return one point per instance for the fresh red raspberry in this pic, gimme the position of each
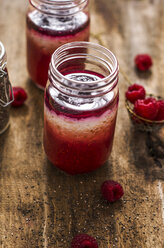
(160, 115)
(143, 62)
(147, 108)
(112, 191)
(135, 92)
(20, 96)
(84, 241)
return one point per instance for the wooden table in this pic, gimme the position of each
(43, 207)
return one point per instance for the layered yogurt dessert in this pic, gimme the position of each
(45, 33)
(78, 137)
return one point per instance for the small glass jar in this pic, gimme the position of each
(50, 24)
(5, 89)
(80, 109)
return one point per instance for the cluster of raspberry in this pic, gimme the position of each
(145, 106)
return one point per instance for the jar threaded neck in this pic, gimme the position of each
(2, 54)
(59, 7)
(90, 55)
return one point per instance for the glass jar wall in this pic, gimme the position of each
(81, 101)
(5, 90)
(51, 23)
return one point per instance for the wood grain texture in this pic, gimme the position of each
(42, 207)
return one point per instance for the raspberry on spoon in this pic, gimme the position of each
(160, 115)
(135, 92)
(84, 241)
(112, 191)
(147, 108)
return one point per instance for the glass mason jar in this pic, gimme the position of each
(80, 107)
(5, 89)
(50, 24)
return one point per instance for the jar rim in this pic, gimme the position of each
(105, 60)
(2, 52)
(82, 44)
(59, 7)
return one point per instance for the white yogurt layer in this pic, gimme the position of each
(90, 127)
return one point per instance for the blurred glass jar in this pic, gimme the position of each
(50, 24)
(5, 90)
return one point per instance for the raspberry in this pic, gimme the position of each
(147, 108)
(20, 96)
(143, 62)
(160, 115)
(135, 92)
(84, 241)
(112, 191)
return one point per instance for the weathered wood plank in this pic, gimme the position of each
(43, 207)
